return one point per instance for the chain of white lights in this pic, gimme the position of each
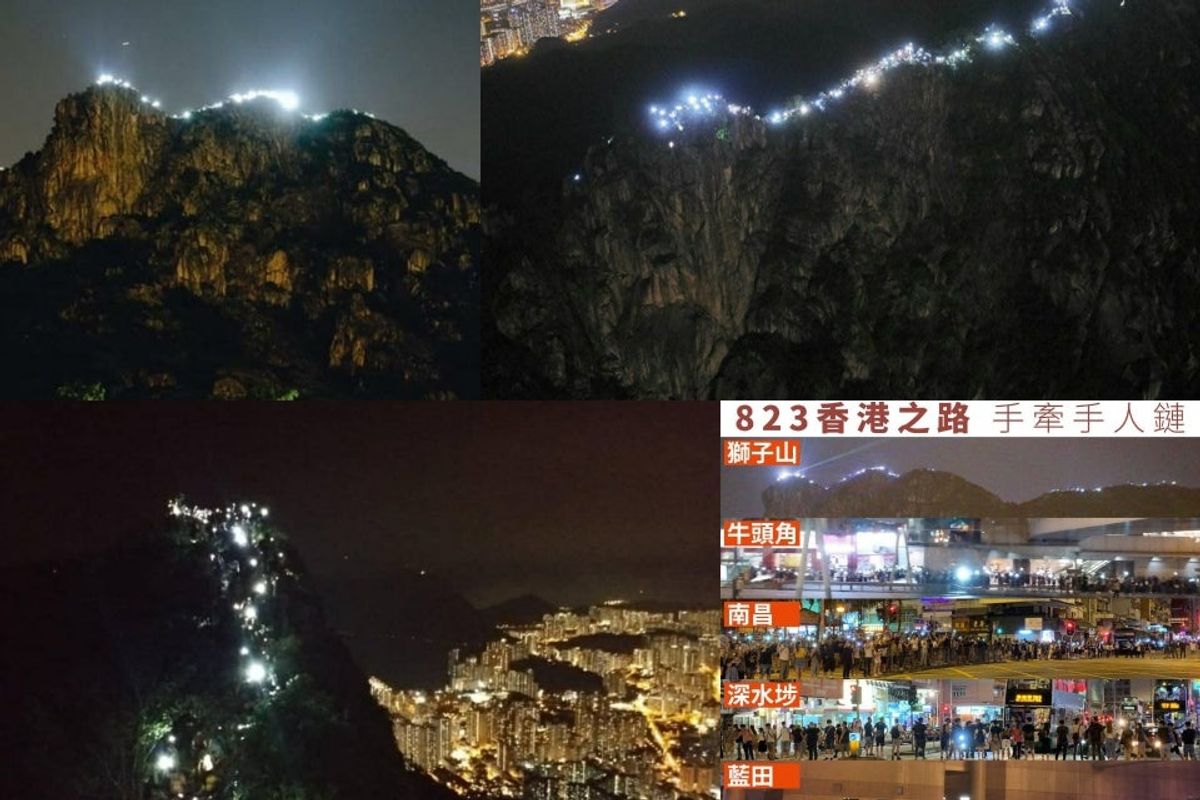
(246, 560)
(709, 106)
(798, 475)
(286, 99)
(794, 474)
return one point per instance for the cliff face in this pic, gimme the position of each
(238, 252)
(1022, 225)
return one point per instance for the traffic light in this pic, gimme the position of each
(856, 695)
(892, 609)
(1070, 626)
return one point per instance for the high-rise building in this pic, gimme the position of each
(534, 19)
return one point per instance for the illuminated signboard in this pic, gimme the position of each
(1169, 696)
(1028, 693)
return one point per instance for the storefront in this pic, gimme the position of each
(866, 552)
(977, 713)
(828, 700)
(969, 700)
(859, 548)
(835, 700)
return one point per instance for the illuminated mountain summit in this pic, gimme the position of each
(993, 210)
(239, 250)
(937, 493)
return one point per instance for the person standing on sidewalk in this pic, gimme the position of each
(920, 730)
(1062, 740)
(1095, 737)
(812, 740)
(1018, 741)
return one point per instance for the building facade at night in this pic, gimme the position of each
(512, 27)
(632, 716)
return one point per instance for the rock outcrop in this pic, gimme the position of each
(1023, 225)
(149, 255)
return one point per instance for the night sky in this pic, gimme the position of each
(410, 62)
(576, 502)
(1014, 469)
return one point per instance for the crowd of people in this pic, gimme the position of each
(977, 578)
(1065, 739)
(888, 652)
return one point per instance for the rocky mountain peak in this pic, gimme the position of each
(1015, 224)
(332, 253)
(97, 161)
(98, 110)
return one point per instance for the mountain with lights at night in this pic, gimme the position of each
(1006, 213)
(192, 664)
(243, 250)
(878, 492)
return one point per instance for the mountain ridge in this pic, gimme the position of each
(241, 252)
(1015, 227)
(937, 493)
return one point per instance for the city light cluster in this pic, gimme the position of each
(674, 117)
(494, 731)
(791, 475)
(1081, 489)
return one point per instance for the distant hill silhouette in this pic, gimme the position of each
(400, 625)
(933, 493)
(524, 609)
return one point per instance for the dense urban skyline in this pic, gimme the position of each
(629, 713)
(512, 27)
